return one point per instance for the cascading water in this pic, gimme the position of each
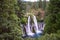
(36, 25)
(29, 32)
(37, 29)
(42, 26)
(23, 31)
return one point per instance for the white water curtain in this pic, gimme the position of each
(28, 29)
(36, 25)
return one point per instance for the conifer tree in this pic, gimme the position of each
(9, 28)
(53, 17)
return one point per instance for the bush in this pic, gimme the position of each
(53, 17)
(50, 37)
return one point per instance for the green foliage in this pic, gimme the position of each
(23, 20)
(53, 17)
(20, 9)
(50, 37)
(9, 22)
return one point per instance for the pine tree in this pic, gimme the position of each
(44, 4)
(53, 17)
(9, 28)
(22, 11)
(22, 8)
(40, 3)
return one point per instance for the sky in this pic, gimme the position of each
(34, 0)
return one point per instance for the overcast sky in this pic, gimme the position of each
(34, 0)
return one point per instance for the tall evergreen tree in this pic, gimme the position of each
(53, 17)
(44, 4)
(40, 3)
(22, 8)
(9, 28)
(22, 11)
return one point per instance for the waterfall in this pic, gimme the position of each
(42, 26)
(29, 32)
(36, 25)
(33, 30)
(29, 25)
(23, 30)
